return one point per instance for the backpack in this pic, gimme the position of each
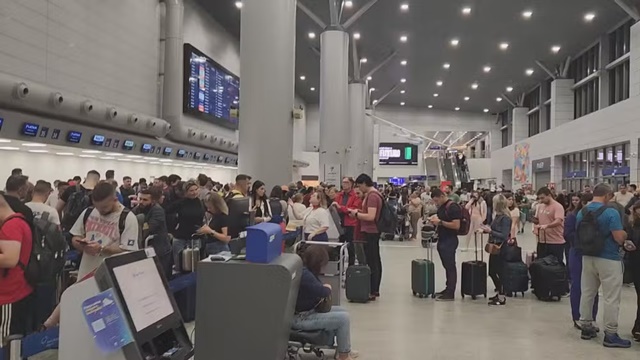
(121, 221)
(77, 203)
(465, 220)
(589, 239)
(386, 222)
(48, 250)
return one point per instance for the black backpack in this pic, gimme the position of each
(77, 203)
(387, 219)
(589, 239)
(48, 250)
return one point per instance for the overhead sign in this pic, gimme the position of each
(398, 154)
(333, 174)
(541, 165)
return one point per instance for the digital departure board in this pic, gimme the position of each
(212, 93)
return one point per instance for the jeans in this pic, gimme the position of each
(372, 253)
(348, 238)
(336, 321)
(360, 254)
(447, 247)
(575, 269)
(608, 273)
(556, 250)
(216, 247)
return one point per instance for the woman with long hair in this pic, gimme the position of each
(633, 231)
(574, 261)
(315, 219)
(260, 202)
(415, 213)
(477, 208)
(499, 233)
(515, 214)
(215, 229)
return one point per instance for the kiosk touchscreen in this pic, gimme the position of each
(154, 319)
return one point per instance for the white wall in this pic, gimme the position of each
(479, 168)
(106, 50)
(52, 167)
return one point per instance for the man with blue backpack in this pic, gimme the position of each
(599, 236)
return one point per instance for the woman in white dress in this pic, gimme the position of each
(477, 208)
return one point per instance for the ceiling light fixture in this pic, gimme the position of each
(356, 36)
(498, 99)
(529, 72)
(5, 141)
(107, 158)
(404, 38)
(369, 78)
(474, 86)
(439, 83)
(466, 98)
(64, 154)
(39, 151)
(375, 102)
(303, 78)
(436, 95)
(113, 154)
(527, 14)
(403, 62)
(588, 17)
(312, 35)
(313, 89)
(486, 110)
(430, 106)
(455, 42)
(509, 88)
(404, 7)
(402, 103)
(364, 60)
(9, 148)
(556, 49)
(373, 89)
(87, 156)
(34, 145)
(91, 151)
(466, 10)
(446, 66)
(487, 69)
(403, 80)
(457, 109)
(504, 46)
(348, 4)
(239, 4)
(403, 91)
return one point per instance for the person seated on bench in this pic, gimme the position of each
(311, 294)
(315, 218)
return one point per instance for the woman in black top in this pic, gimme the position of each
(217, 238)
(260, 202)
(499, 233)
(189, 218)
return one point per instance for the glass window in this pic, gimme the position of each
(587, 95)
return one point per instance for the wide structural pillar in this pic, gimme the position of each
(267, 70)
(519, 124)
(334, 104)
(370, 146)
(357, 152)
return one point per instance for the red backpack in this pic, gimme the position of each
(465, 221)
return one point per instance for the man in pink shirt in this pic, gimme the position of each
(549, 226)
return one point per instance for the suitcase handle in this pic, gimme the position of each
(475, 242)
(343, 252)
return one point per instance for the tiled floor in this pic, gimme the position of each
(400, 326)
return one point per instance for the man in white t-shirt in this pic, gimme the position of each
(623, 196)
(41, 192)
(105, 231)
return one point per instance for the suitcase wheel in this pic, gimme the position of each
(473, 297)
(421, 296)
(433, 296)
(415, 293)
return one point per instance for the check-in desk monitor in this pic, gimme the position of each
(151, 312)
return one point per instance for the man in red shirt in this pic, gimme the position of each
(15, 249)
(348, 200)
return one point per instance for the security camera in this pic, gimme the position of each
(224, 142)
(133, 119)
(203, 136)
(87, 106)
(57, 99)
(151, 123)
(21, 91)
(112, 113)
(191, 133)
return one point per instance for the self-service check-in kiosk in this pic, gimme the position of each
(126, 312)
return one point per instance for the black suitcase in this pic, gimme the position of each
(515, 278)
(423, 276)
(548, 278)
(474, 274)
(358, 283)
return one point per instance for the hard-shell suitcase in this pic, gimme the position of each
(423, 276)
(190, 256)
(548, 276)
(358, 283)
(474, 273)
(515, 278)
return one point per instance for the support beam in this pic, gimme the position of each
(359, 13)
(384, 96)
(481, 134)
(316, 19)
(405, 130)
(356, 61)
(546, 69)
(508, 100)
(382, 63)
(630, 7)
(565, 68)
(315, 50)
(335, 10)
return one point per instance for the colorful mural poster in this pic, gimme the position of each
(521, 166)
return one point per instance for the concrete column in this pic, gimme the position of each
(634, 161)
(562, 101)
(300, 135)
(267, 63)
(519, 124)
(370, 146)
(334, 100)
(357, 152)
(556, 171)
(494, 142)
(604, 74)
(634, 61)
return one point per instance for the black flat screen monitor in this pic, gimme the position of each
(181, 153)
(74, 137)
(128, 145)
(167, 151)
(29, 129)
(146, 148)
(98, 140)
(398, 154)
(238, 216)
(211, 92)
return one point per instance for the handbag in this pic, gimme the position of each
(492, 248)
(324, 305)
(512, 252)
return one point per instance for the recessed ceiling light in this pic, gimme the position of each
(527, 14)
(487, 69)
(9, 148)
(64, 154)
(403, 80)
(87, 156)
(166, 160)
(439, 83)
(239, 4)
(404, 7)
(474, 86)
(556, 49)
(404, 38)
(373, 89)
(303, 78)
(134, 156)
(529, 72)
(113, 154)
(466, 10)
(402, 103)
(375, 102)
(39, 151)
(446, 66)
(457, 109)
(312, 35)
(5, 141)
(589, 17)
(403, 91)
(107, 158)
(504, 45)
(139, 161)
(348, 4)
(466, 98)
(498, 99)
(91, 151)
(403, 62)
(486, 110)
(369, 78)
(34, 145)
(455, 42)
(356, 36)
(430, 106)
(364, 60)
(313, 89)
(436, 95)
(509, 88)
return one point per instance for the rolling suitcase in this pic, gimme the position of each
(358, 283)
(548, 277)
(474, 274)
(515, 278)
(189, 257)
(423, 276)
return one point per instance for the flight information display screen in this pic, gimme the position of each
(212, 93)
(398, 154)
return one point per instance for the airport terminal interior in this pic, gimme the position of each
(319, 179)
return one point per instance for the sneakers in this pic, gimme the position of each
(441, 292)
(495, 301)
(588, 332)
(445, 297)
(615, 341)
(576, 324)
